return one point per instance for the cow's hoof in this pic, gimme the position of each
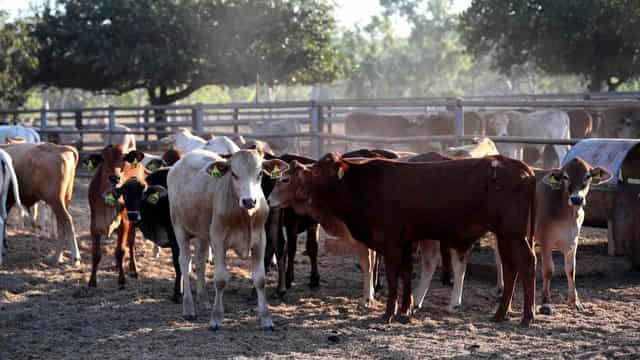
(314, 282)
(580, 308)
(214, 327)
(133, 275)
(526, 321)
(500, 318)
(457, 309)
(403, 319)
(386, 319)
(76, 262)
(546, 309)
(267, 325)
(93, 283)
(189, 317)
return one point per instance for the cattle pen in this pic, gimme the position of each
(48, 310)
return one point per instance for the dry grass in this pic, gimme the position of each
(48, 312)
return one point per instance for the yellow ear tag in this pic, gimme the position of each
(595, 179)
(554, 183)
(215, 172)
(340, 173)
(134, 163)
(110, 200)
(153, 198)
(275, 173)
(89, 165)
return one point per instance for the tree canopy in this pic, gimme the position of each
(172, 48)
(597, 39)
(17, 63)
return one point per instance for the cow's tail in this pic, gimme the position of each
(11, 178)
(532, 209)
(69, 164)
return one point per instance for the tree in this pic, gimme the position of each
(171, 48)
(597, 39)
(17, 63)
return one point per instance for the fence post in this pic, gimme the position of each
(459, 122)
(79, 126)
(43, 118)
(196, 120)
(112, 123)
(146, 126)
(236, 115)
(59, 118)
(315, 127)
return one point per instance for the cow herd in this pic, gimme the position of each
(387, 205)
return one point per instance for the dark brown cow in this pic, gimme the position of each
(580, 124)
(457, 200)
(376, 125)
(171, 156)
(106, 218)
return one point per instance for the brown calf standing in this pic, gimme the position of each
(456, 200)
(107, 214)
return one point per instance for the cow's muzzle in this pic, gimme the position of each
(577, 200)
(134, 216)
(248, 203)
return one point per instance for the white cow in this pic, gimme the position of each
(7, 178)
(542, 124)
(184, 141)
(279, 145)
(219, 202)
(123, 137)
(29, 134)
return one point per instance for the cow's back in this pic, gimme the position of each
(376, 125)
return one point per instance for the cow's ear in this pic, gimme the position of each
(217, 169)
(134, 157)
(553, 180)
(274, 168)
(154, 193)
(92, 161)
(600, 175)
(155, 164)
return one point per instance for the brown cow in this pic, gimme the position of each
(580, 124)
(107, 214)
(455, 200)
(443, 123)
(171, 156)
(46, 173)
(367, 124)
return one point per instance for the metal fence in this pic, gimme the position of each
(319, 124)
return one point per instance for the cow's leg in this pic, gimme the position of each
(123, 230)
(258, 276)
(188, 310)
(499, 277)
(131, 243)
(445, 259)
(202, 250)
(367, 273)
(375, 273)
(221, 277)
(156, 251)
(66, 231)
(527, 271)
(429, 250)
(547, 274)
(312, 252)
(405, 274)
(96, 255)
(175, 257)
(459, 266)
(392, 268)
(510, 274)
(2, 229)
(292, 249)
(570, 271)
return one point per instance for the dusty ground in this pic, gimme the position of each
(48, 312)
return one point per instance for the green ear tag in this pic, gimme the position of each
(110, 200)
(152, 166)
(134, 163)
(153, 198)
(89, 165)
(215, 172)
(554, 183)
(595, 179)
(275, 173)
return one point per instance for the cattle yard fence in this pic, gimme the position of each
(317, 126)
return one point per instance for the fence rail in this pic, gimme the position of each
(317, 123)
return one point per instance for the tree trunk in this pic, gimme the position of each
(597, 81)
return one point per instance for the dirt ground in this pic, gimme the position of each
(47, 311)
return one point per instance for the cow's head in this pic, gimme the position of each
(245, 169)
(291, 189)
(155, 164)
(574, 179)
(137, 195)
(171, 156)
(497, 124)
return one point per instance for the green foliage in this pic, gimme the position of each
(17, 63)
(173, 48)
(598, 39)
